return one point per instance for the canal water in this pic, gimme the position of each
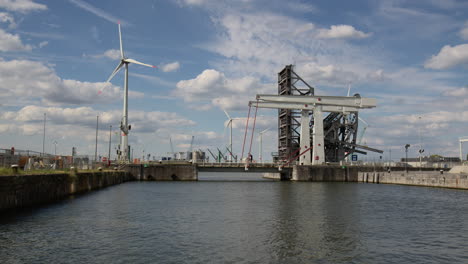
(243, 220)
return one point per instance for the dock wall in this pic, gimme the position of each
(164, 172)
(424, 178)
(325, 173)
(28, 190)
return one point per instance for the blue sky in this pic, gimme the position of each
(213, 55)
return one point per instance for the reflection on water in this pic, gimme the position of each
(236, 221)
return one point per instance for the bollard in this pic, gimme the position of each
(441, 171)
(14, 168)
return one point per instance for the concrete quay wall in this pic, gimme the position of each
(325, 173)
(164, 172)
(28, 190)
(424, 178)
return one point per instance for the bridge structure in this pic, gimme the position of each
(241, 167)
(339, 125)
(312, 145)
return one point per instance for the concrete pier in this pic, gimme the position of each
(28, 190)
(163, 172)
(417, 178)
(325, 173)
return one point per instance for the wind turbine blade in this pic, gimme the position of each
(116, 70)
(229, 117)
(140, 63)
(121, 46)
(363, 121)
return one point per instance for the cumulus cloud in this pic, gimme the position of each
(12, 42)
(22, 6)
(250, 47)
(214, 87)
(342, 31)
(24, 78)
(142, 122)
(448, 57)
(170, 67)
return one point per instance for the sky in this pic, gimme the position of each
(411, 55)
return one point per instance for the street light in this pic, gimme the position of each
(406, 159)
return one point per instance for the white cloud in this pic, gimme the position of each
(329, 74)
(461, 92)
(464, 32)
(22, 6)
(43, 44)
(448, 57)
(7, 18)
(142, 122)
(250, 47)
(113, 54)
(30, 79)
(342, 31)
(11, 42)
(170, 67)
(195, 2)
(213, 86)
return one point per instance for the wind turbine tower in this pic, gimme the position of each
(230, 133)
(124, 152)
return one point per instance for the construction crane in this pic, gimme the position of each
(213, 155)
(221, 154)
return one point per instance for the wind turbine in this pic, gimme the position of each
(260, 145)
(230, 134)
(124, 127)
(363, 130)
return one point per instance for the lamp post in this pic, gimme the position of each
(406, 159)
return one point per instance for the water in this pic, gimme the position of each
(243, 222)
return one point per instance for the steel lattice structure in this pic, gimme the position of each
(289, 120)
(340, 130)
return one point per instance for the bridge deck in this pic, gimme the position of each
(240, 167)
